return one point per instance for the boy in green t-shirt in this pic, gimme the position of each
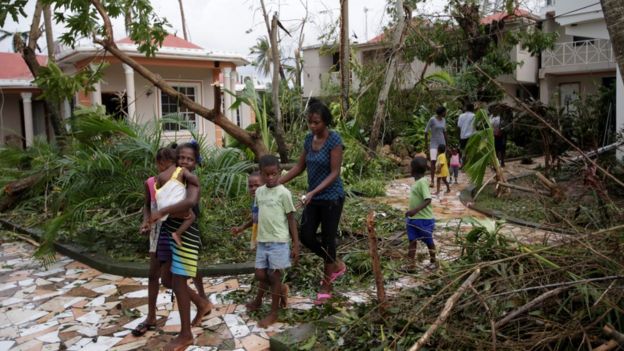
(276, 228)
(419, 217)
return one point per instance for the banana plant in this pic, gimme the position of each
(481, 153)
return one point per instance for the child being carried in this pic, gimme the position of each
(171, 189)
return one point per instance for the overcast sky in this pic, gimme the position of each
(234, 25)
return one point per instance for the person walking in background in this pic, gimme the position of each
(322, 157)
(500, 139)
(442, 171)
(465, 122)
(455, 164)
(437, 128)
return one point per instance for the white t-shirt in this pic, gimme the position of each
(465, 122)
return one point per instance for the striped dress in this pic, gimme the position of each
(183, 258)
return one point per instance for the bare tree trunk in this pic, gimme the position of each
(251, 140)
(299, 50)
(30, 57)
(127, 19)
(389, 77)
(184, 31)
(614, 16)
(345, 69)
(268, 26)
(49, 32)
(282, 149)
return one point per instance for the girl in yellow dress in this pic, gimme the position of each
(442, 170)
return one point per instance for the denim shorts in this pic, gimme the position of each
(272, 255)
(420, 229)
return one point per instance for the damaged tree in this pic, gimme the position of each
(397, 43)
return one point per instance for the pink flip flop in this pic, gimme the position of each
(321, 298)
(337, 274)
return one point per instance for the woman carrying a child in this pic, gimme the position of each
(182, 253)
(322, 158)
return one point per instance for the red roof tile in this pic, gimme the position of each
(12, 66)
(170, 41)
(501, 16)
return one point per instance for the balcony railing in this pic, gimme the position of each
(578, 53)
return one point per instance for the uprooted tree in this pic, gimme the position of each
(93, 19)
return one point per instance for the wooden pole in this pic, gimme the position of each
(345, 69)
(372, 246)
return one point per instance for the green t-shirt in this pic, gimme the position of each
(419, 193)
(273, 206)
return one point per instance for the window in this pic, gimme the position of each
(170, 109)
(581, 41)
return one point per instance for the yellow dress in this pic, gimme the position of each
(443, 166)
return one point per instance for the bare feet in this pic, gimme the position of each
(179, 344)
(202, 311)
(177, 238)
(253, 305)
(268, 320)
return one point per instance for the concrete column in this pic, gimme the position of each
(227, 98)
(619, 111)
(96, 95)
(545, 86)
(28, 118)
(130, 94)
(233, 81)
(66, 109)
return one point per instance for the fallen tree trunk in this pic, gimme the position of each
(19, 186)
(609, 345)
(529, 305)
(446, 311)
(523, 188)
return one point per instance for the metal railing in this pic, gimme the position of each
(578, 53)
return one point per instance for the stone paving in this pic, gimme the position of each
(70, 306)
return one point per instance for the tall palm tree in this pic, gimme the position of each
(263, 59)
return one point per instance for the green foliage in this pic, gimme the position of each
(535, 40)
(81, 20)
(95, 188)
(14, 8)
(58, 86)
(484, 241)
(480, 152)
(368, 187)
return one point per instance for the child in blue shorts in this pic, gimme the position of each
(419, 217)
(276, 229)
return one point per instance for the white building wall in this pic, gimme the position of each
(148, 97)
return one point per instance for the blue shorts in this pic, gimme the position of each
(420, 229)
(272, 255)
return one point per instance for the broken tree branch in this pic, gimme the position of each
(609, 345)
(614, 334)
(529, 305)
(446, 311)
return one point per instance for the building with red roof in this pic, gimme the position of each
(188, 67)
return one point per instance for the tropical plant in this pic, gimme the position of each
(480, 153)
(99, 178)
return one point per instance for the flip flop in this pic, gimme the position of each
(321, 298)
(143, 328)
(337, 274)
